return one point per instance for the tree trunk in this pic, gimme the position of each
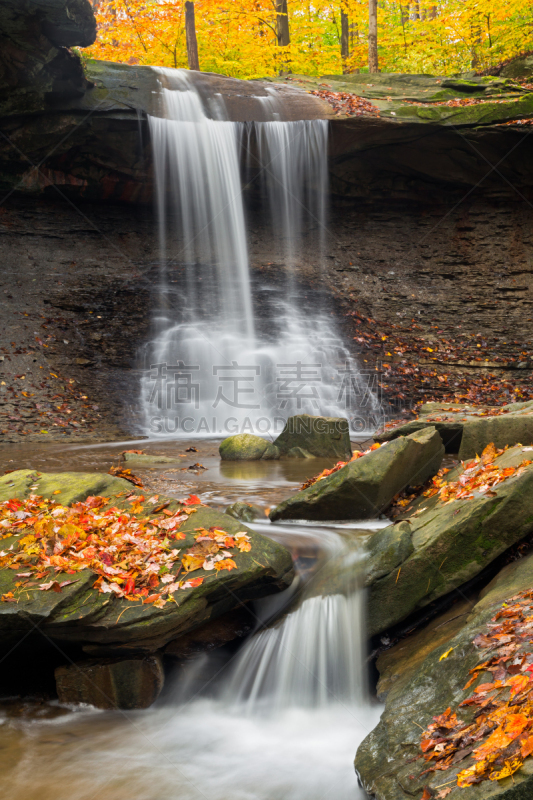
(373, 36)
(190, 35)
(282, 23)
(345, 40)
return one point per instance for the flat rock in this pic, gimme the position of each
(111, 683)
(107, 624)
(305, 435)
(363, 488)
(385, 759)
(145, 460)
(452, 542)
(468, 430)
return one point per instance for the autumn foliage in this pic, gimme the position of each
(132, 553)
(238, 37)
(499, 736)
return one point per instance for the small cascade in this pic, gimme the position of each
(209, 370)
(314, 656)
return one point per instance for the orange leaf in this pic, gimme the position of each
(226, 563)
(192, 562)
(152, 598)
(526, 747)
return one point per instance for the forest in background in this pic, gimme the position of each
(260, 38)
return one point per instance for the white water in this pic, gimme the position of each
(210, 372)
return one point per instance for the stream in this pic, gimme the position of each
(280, 716)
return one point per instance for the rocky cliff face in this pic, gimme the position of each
(36, 66)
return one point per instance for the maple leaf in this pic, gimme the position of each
(192, 500)
(226, 563)
(192, 562)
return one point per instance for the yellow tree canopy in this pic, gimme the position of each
(238, 37)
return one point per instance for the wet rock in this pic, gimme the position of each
(298, 452)
(324, 437)
(242, 447)
(400, 663)
(271, 453)
(80, 614)
(452, 542)
(363, 488)
(245, 511)
(213, 634)
(427, 688)
(112, 683)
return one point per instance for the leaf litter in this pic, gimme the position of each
(131, 552)
(500, 736)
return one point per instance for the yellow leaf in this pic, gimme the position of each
(446, 654)
(191, 562)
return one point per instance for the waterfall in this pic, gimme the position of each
(314, 656)
(209, 370)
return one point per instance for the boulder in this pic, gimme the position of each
(271, 453)
(452, 542)
(324, 437)
(449, 426)
(509, 429)
(386, 550)
(242, 447)
(434, 667)
(107, 625)
(35, 65)
(245, 511)
(468, 430)
(365, 487)
(111, 683)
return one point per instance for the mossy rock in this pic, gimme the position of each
(363, 488)
(452, 543)
(63, 487)
(469, 430)
(108, 624)
(246, 512)
(242, 447)
(386, 760)
(305, 435)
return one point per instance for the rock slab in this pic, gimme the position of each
(385, 759)
(363, 488)
(111, 683)
(451, 543)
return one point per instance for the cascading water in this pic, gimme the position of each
(309, 658)
(210, 372)
(282, 719)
